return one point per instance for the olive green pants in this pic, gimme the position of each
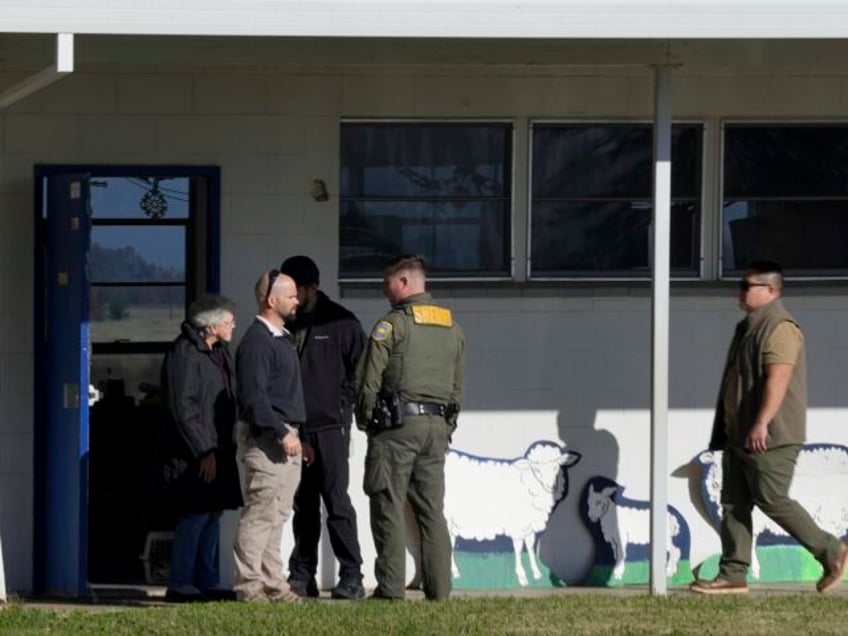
(409, 463)
(763, 480)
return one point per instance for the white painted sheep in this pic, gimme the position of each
(625, 523)
(487, 497)
(819, 484)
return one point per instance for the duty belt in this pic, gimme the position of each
(423, 408)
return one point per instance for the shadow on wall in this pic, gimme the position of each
(566, 545)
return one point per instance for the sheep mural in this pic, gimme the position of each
(621, 529)
(489, 500)
(819, 484)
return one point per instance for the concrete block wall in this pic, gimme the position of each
(564, 361)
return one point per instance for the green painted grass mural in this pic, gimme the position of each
(496, 571)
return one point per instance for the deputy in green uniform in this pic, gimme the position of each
(409, 388)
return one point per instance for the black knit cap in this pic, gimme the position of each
(302, 269)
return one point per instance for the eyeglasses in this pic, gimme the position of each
(272, 276)
(745, 285)
(229, 323)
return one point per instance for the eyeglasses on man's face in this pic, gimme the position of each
(745, 285)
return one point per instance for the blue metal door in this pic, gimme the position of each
(62, 443)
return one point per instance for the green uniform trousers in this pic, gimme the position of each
(763, 480)
(409, 463)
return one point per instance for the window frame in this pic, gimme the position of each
(733, 274)
(211, 233)
(699, 270)
(509, 242)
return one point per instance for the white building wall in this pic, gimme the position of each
(554, 361)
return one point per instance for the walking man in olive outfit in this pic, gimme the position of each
(409, 389)
(271, 410)
(760, 425)
(329, 341)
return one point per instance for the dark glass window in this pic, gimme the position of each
(592, 200)
(145, 246)
(786, 197)
(440, 190)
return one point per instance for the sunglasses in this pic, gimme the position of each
(744, 285)
(272, 276)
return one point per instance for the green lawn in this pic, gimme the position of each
(572, 613)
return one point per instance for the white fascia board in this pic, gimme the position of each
(433, 19)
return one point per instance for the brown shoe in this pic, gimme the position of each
(833, 571)
(284, 596)
(719, 586)
(252, 598)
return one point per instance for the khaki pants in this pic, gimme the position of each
(269, 481)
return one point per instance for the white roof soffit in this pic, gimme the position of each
(433, 18)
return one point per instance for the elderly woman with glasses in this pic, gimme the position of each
(197, 447)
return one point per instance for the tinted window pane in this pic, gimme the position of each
(606, 161)
(456, 237)
(785, 161)
(608, 238)
(137, 254)
(441, 190)
(806, 237)
(433, 160)
(136, 314)
(127, 197)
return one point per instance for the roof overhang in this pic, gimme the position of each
(551, 19)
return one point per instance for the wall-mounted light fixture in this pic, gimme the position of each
(319, 190)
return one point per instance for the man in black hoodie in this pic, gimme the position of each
(329, 341)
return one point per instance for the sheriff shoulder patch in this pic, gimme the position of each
(382, 330)
(432, 315)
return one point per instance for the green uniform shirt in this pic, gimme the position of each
(416, 349)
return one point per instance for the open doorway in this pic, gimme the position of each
(147, 246)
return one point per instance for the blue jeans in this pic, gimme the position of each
(194, 558)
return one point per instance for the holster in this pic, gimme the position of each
(388, 411)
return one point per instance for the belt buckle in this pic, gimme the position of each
(421, 409)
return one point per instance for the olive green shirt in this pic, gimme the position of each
(417, 350)
(769, 335)
(783, 346)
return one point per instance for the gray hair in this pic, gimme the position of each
(208, 310)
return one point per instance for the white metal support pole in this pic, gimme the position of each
(61, 68)
(659, 327)
(2, 577)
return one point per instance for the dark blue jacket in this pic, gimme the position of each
(269, 388)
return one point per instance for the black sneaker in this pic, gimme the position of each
(174, 596)
(219, 594)
(377, 595)
(349, 589)
(305, 588)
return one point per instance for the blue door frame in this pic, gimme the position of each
(61, 386)
(62, 357)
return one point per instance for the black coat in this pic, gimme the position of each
(330, 341)
(198, 399)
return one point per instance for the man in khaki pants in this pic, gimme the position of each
(271, 410)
